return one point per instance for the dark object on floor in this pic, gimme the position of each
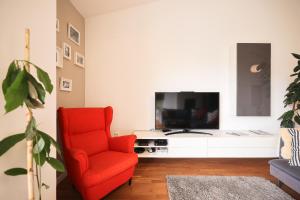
(129, 182)
(223, 187)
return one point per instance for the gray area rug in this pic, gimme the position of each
(223, 188)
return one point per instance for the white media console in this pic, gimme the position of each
(221, 144)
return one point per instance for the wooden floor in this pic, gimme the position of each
(149, 181)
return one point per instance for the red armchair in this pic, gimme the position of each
(96, 162)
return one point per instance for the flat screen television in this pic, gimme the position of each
(186, 110)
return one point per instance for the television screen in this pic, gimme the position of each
(186, 110)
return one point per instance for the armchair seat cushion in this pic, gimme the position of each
(283, 165)
(107, 164)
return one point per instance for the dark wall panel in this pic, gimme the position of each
(253, 79)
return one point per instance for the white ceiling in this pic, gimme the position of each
(89, 8)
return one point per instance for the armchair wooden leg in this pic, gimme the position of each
(74, 188)
(279, 183)
(129, 182)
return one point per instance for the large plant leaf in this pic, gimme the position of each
(40, 158)
(47, 143)
(32, 91)
(297, 119)
(288, 100)
(16, 171)
(45, 79)
(47, 147)
(49, 138)
(287, 115)
(33, 103)
(287, 124)
(296, 95)
(39, 146)
(297, 79)
(56, 164)
(31, 129)
(17, 92)
(11, 75)
(296, 55)
(10, 141)
(38, 87)
(291, 86)
(297, 68)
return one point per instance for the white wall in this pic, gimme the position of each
(40, 17)
(177, 45)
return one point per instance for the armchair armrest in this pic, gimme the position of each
(80, 158)
(122, 143)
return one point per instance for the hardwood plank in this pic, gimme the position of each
(149, 181)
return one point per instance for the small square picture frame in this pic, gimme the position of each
(65, 84)
(79, 59)
(59, 57)
(67, 51)
(73, 34)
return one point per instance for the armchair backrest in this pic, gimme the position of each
(87, 129)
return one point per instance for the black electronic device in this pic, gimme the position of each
(142, 142)
(139, 150)
(185, 111)
(161, 142)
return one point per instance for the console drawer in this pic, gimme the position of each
(241, 141)
(229, 152)
(187, 142)
(187, 152)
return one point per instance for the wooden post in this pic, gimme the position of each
(30, 175)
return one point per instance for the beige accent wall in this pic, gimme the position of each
(15, 16)
(67, 13)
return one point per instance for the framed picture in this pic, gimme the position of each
(79, 60)
(253, 79)
(73, 34)
(65, 84)
(59, 57)
(57, 25)
(67, 51)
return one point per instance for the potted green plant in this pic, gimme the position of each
(22, 87)
(291, 118)
(292, 99)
